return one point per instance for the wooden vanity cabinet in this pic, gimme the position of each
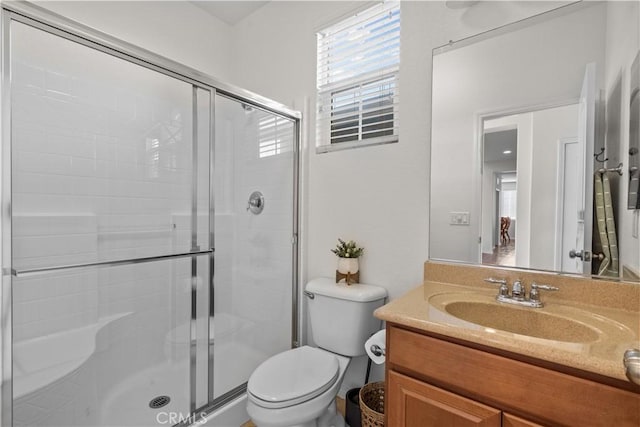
(414, 403)
(509, 420)
(435, 382)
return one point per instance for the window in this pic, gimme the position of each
(358, 64)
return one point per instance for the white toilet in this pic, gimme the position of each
(297, 388)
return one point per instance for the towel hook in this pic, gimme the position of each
(601, 153)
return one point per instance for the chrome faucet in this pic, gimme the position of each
(519, 293)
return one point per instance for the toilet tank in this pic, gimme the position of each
(341, 316)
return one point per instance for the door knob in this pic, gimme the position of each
(585, 256)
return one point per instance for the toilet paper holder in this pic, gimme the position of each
(375, 347)
(377, 350)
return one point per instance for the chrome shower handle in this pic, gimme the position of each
(255, 203)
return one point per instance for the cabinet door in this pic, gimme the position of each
(509, 420)
(413, 403)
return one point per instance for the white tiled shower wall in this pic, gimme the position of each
(101, 167)
(101, 170)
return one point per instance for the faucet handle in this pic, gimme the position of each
(535, 285)
(498, 281)
(504, 290)
(534, 295)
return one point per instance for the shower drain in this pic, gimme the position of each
(159, 402)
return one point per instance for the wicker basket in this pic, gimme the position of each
(372, 404)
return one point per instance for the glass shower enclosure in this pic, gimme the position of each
(149, 223)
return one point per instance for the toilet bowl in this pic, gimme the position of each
(298, 387)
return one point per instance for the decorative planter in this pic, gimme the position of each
(348, 265)
(348, 270)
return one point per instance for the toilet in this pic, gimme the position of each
(297, 388)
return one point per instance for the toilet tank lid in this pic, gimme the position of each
(358, 292)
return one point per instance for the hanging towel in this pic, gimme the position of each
(607, 242)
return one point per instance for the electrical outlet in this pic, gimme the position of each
(459, 218)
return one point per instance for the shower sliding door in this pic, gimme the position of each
(110, 236)
(255, 154)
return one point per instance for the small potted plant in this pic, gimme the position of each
(348, 254)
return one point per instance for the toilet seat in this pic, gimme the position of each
(293, 377)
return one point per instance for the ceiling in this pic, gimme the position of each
(230, 12)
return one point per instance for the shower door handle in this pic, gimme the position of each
(46, 270)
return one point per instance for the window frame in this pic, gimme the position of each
(388, 76)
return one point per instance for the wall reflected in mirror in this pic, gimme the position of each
(518, 114)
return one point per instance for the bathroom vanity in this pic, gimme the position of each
(432, 380)
(444, 370)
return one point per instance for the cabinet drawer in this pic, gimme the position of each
(413, 403)
(548, 396)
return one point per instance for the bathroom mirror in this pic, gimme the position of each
(527, 120)
(634, 136)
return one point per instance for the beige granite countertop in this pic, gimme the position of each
(616, 328)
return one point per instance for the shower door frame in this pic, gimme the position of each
(58, 25)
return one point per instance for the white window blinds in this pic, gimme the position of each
(275, 135)
(358, 63)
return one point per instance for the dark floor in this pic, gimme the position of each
(502, 255)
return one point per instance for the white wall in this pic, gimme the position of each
(177, 30)
(622, 48)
